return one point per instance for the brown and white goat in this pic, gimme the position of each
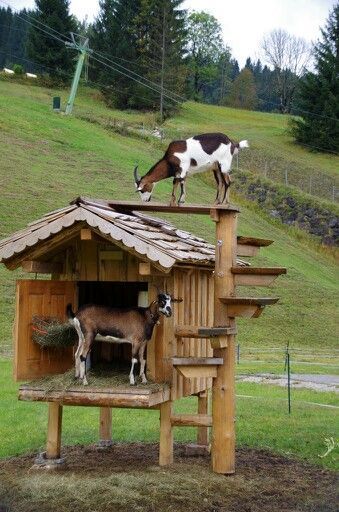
(209, 151)
(133, 325)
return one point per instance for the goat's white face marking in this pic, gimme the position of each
(164, 302)
(145, 196)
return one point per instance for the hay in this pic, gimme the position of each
(50, 332)
(105, 376)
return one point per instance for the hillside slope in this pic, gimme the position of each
(47, 159)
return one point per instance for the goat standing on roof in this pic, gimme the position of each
(209, 151)
(133, 325)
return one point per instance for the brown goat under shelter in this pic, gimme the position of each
(113, 253)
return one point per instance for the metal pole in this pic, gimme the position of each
(84, 50)
(288, 382)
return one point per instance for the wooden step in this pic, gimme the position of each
(194, 331)
(191, 420)
(249, 246)
(195, 367)
(248, 307)
(256, 276)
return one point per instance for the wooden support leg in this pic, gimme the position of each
(202, 437)
(54, 430)
(223, 409)
(105, 426)
(166, 434)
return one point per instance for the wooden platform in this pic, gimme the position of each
(128, 206)
(142, 397)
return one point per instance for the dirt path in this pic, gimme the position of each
(126, 478)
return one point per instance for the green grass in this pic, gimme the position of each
(47, 159)
(262, 422)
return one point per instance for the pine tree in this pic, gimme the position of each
(45, 50)
(243, 91)
(145, 37)
(319, 93)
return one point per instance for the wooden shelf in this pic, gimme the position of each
(192, 331)
(256, 276)
(195, 367)
(248, 307)
(249, 246)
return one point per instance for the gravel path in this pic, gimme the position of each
(309, 381)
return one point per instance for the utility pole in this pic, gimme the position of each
(83, 50)
(162, 69)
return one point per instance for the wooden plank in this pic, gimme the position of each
(247, 250)
(42, 267)
(54, 426)
(144, 269)
(105, 424)
(202, 209)
(191, 420)
(257, 242)
(86, 234)
(276, 271)
(249, 301)
(198, 371)
(202, 434)
(42, 299)
(95, 399)
(193, 361)
(166, 435)
(194, 331)
(223, 387)
(254, 280)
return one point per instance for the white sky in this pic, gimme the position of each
(244, 22)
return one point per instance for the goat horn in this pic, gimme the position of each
(136, 175)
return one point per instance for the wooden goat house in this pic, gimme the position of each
(111, 253)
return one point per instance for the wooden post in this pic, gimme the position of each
(105, 426)
(54, 430)
(202, 436)
(166, 434)
(223, 396)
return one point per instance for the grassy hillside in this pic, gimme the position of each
(47, 159)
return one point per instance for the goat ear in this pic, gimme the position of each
(174, 299)
(153, 307)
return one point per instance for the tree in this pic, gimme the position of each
(288, 55)
(205, 50)
(44, 49)
(319, 93)
(146, 37)
(243, 91)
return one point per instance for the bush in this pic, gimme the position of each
(18, 69)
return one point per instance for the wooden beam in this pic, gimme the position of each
(105, 424)
(197, 372)
(202, 434)
(54, 430)
(191, 420)
(42, 267)
(86, 234)
(166, 435)
(194, 361)
(223, 392)
(194, 331)
(144, 269)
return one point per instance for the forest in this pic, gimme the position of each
(154, 55)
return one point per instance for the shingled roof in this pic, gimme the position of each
(154, 239)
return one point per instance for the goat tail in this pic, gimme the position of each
(69, 312)
(243, 144)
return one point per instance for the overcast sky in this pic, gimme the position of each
(244, 22)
